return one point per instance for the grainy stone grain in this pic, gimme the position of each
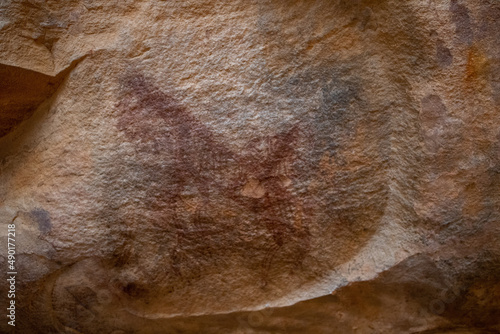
(252, 166)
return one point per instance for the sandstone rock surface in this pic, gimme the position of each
(261, 166)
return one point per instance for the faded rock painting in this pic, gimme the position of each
(206, 209)
(192, 162)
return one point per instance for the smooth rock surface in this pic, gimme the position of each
(251, 166)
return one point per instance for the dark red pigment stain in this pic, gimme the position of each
(461, 18)
(42, 218)
(161, 127)
(443, 54)
(182, 159)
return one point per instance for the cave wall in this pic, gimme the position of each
(261, 166)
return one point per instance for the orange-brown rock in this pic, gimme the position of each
(251, 166)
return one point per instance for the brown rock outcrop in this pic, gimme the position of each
(251, 166)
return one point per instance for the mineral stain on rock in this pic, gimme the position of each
(461, 18)
(42, 218)
(443, 54)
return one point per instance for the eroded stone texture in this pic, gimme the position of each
(22, 91)
(251, 166)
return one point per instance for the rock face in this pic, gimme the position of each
(251, 166)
